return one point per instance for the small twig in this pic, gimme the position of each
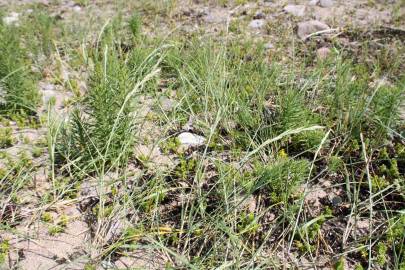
(321, 32)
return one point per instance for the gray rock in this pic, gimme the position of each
(190, 139)
(326, 3)
(310, 27)
(295, 10)
(257, 23)
(313, 2)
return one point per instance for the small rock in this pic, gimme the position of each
(296, 10)
(326, 3)
(310, 27)
(11, 19)
(336, 201)
(257, 23)
(259, 15)
(190, 139)
(313, 2)
(77, 8)
(268, 46)
(323, 53)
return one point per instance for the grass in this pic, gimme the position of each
(277, 132)
(18, 91)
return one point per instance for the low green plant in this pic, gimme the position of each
(381, 253)
(335, 164)
(55, 230)
(6, 137)
(4, 249)
(282, 178)
(47, 217)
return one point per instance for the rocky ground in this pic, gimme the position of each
(280, 25)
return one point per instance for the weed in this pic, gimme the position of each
(282, 178)
(55, 229)
(47, 217)
(335, 164)
(17, 88)
(381, 253)
(4, 249)
(135, 25)
(6, 137)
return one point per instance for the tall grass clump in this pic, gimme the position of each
(18, 92)
(101, 129)
(135, 25)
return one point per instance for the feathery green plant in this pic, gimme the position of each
(18, 92)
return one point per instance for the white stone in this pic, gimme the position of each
(190, 139)
(77, 9)
(257, 23)
(296, 10)
(268, 46)
(326, 3)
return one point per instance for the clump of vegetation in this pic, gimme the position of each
(101, 131)
(135, 25)
(282, 178)
(6, 137)
(18, 92)
(4, 249)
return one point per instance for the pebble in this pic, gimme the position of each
(77, 8)
(257, 23)
(309, 27)
(190, 139)
(326, 3)
(296, 10)
(336, 201)
(268, 46)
